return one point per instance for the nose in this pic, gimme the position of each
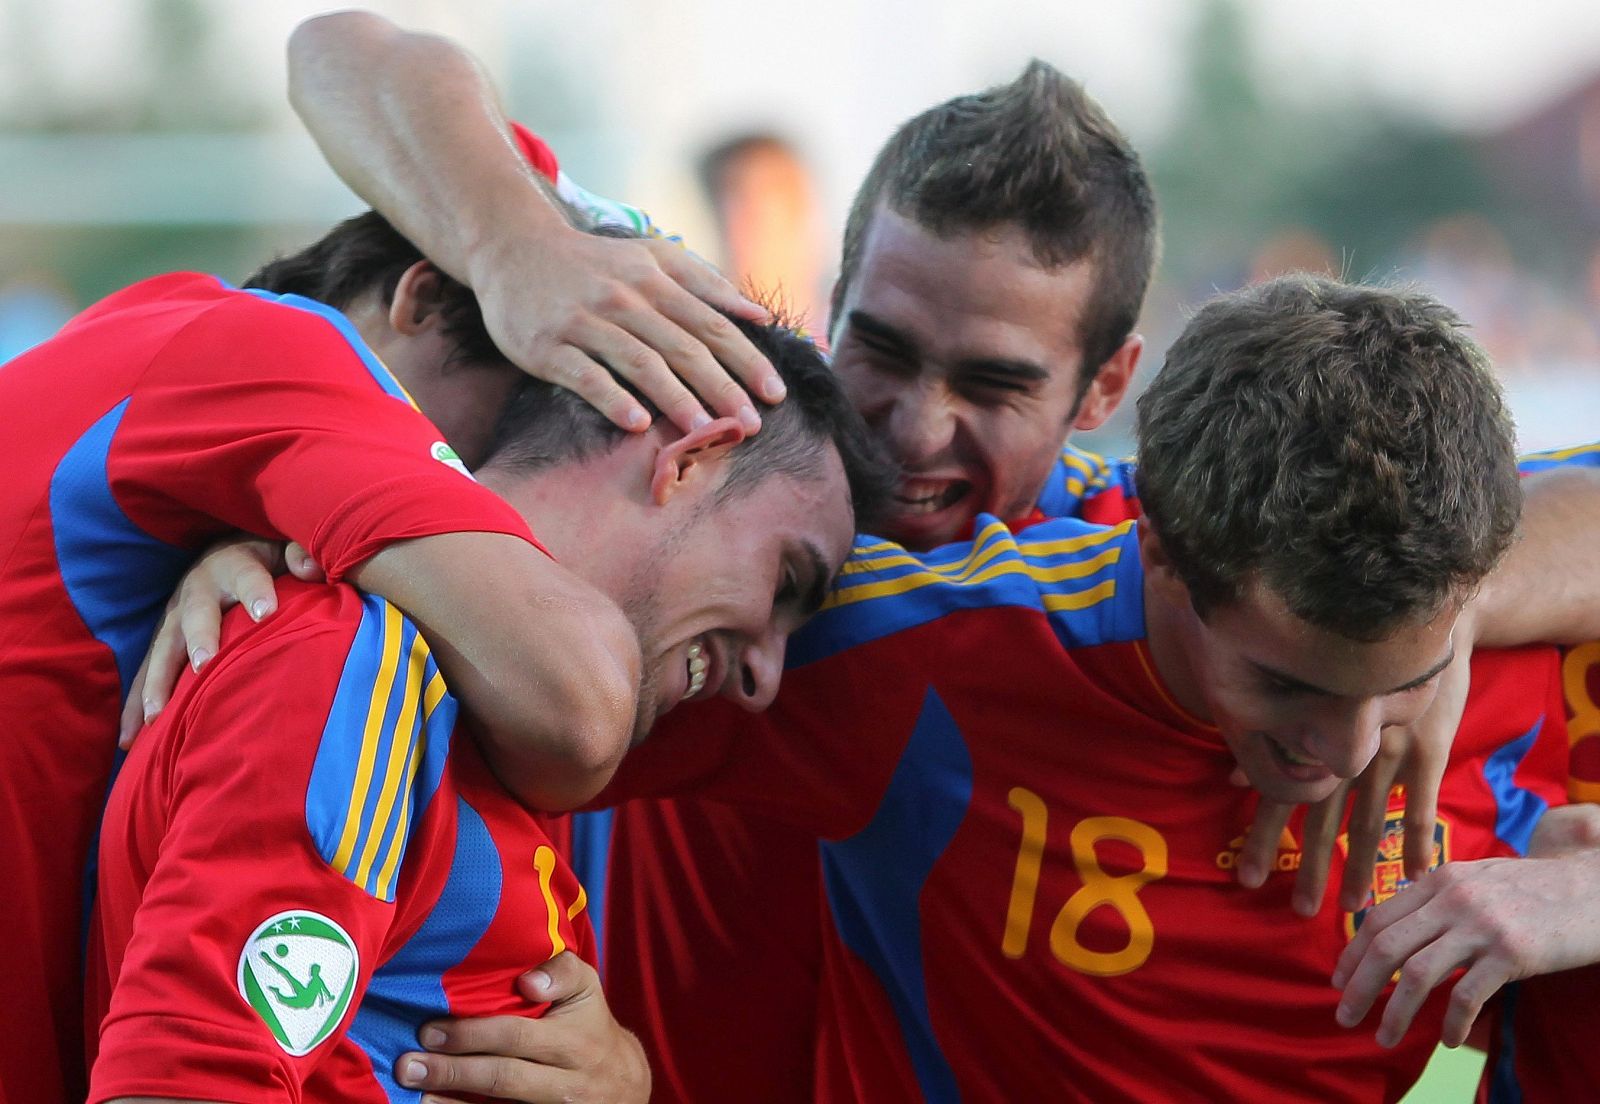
(921, 424)
(1347, 741)
(760, 670)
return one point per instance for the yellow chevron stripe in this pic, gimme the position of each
(433, 695)
(379, 703)
(397, 846)
(888, 588)
(1075, 461)
(1083, 599)
(982, 546)
(579, 905)
(969, 567)
(544, 861)
(401, 744)
(1562, 454)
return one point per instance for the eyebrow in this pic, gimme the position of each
(901, 344)
(1300, 684)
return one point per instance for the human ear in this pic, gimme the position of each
(1110, 385)
(417, 299)
(1158, 567)
(693, 457)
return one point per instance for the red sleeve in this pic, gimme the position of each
(237, 897)
(275, 419)
(537, 152)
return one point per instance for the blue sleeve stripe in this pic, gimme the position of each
(1517, 811)
(1582, 456)
(1087, 578)
(347, 330)
(382, 751)
(117, 576)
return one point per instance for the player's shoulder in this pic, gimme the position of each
(1580, 456)
(382, 752)
(1079, 478)
(382, 723)
(1085, 579)
(318, 337)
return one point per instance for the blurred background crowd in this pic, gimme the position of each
(1452, 144)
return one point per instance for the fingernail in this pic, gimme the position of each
(1305, 906)
(699, 420)
(150, 710)
(259, 608)
(539, 980)
(757, 307)
(749, 419)
(774, 390)
(431, 1037)
(412, 1073)
(199, 657)
(1251, 875)
(638, 419)
(1343, 1017)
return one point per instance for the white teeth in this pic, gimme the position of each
(1299, 760)
(698, 665)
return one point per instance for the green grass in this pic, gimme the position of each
(1451, 1077)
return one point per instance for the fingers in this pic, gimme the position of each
(1467, 999)
(1320, 830)
(679, 371)
(132, 719)
(1368, 815)
(163, 663)
(1260, 848)
(703, 281)
(704, 285)
(1371, 958)
(1422, 783)
(301, 565)
(200, 622)
(563, 980)
(579, 373)
(488, 1075)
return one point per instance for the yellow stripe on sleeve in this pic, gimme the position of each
(401, 745)
(377, 706)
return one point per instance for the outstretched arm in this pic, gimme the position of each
(411, 123)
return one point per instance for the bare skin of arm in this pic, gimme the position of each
(548, 666)
(411, 123)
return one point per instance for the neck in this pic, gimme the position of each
(464, 401)
(1170, 634)
(579, 512)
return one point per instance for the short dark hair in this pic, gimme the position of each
(544, 425)
(1348, 446)
(1036, 153)
(366, 254)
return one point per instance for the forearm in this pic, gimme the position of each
(411, 123)
(546, 666)
(1548, 587)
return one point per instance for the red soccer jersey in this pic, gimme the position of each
(304, 860)
(1542, 1044)
(159, 419)
(711, 918)
(1030, 848)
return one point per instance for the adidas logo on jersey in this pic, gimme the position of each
(1288, 853)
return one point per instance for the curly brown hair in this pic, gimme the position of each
(1346, 445)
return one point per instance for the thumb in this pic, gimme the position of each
(565, 979)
